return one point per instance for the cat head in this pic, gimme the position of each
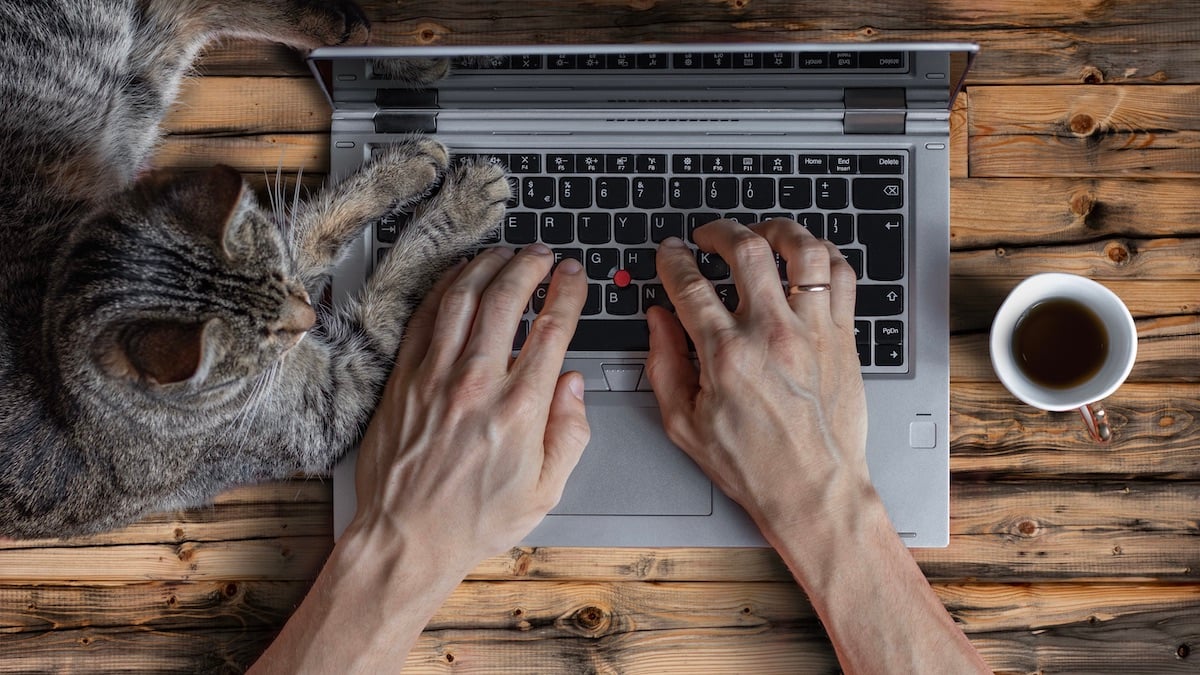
(184, 282)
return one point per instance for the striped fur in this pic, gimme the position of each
(106, 268)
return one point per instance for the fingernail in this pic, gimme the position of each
(570, 266)
(673, 242)
(539, 249)
(575, 384)
(503, 252)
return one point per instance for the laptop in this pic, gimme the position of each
(613, 148)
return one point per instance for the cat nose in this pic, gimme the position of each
(297, 319)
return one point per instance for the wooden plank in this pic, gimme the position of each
(1155, 426)
(262, 605)
(557, 627)
(249, 105)
(1015, 212)
(1084, 131)
(1106, 258)
(1074, 41)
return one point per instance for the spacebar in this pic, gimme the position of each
(609, 335)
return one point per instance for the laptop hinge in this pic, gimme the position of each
(405, 123)
(875, 111)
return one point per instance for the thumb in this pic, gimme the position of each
(567, 433)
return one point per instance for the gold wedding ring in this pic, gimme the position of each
(809, 288)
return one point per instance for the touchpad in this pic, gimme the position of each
(630, 467)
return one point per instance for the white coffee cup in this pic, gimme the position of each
(1085, 396)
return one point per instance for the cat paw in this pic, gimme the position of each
(408, 170)
(334, 22)
(474, 195)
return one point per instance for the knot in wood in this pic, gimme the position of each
(1083, 124)
(1183, 651)
(868, 31)
(1083, 203)
(1118, 253)
(1027, 528)
(591, 619)
(1091, 75)
(428, 33)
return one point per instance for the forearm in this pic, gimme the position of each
(365, 611)
(874, 601)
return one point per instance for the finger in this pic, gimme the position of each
(672, 375)
(567, 433)
(503, 304)
(419, 331)
(843, 288)
(458, 306)
(750, 259)
(808, 262)
(550, 335)
(696, 302)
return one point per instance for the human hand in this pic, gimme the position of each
(471, 448)
(776, 413)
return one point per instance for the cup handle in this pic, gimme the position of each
(1096, 419)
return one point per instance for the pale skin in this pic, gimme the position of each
(472, 447)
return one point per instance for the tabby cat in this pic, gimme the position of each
(157, 340)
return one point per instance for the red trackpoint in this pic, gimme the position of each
(621, 278)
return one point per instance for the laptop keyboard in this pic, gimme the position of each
(609, 210)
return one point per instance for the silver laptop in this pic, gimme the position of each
(613, 148)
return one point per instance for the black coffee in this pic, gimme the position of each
(1060, 343)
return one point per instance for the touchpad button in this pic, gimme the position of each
(630, 468)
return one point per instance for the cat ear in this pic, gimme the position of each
(158, 352)
(207, 201)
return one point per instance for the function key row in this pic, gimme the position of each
(685, 61)
(699, 163)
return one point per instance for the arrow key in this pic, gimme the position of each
(889, 355)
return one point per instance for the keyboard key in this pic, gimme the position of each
(591, 61)
(862, 332)
(743, 217)
(758, 193)
(879, 164)
(651, 163)
(537, 192)
(832, 193)
(717, 164)
(718, 60)
(843, 60)
(561, 254)
(882, 234)
(520, 228)
(522, 333)
(575, 192)
(619, 163)
(864, 353)
(747, 164)
(388, 227)
(492, 237)
(663, 225)
(777, 164)
(686, 163)
(561, 62)
(843, 164)
(813, 222)
(728, 295)
(654, 60)
(889, 332)
(747, 60)
(558, 228)
(524, 162)
(778, 60)
(616, 335)
(687, 61)
(854, 257)
(719, 193)
(687, 193)
(589, 163)
(878, 194)
(892, 60)
(812, 163)
(621, 301)
(795, 193)
(593, 228)
(612, 193)
(595, 300)
(526, 62)
(695, 220)
(889, 355)
(655, 295)
(712, 266)
(639, 262)
(839, 228)
(879, 300)
(539, 297)
(560, 162)
(630, 228)
(601, 263)
(814, 60)
(649, 193)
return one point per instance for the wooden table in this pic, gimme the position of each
(1076, 147)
